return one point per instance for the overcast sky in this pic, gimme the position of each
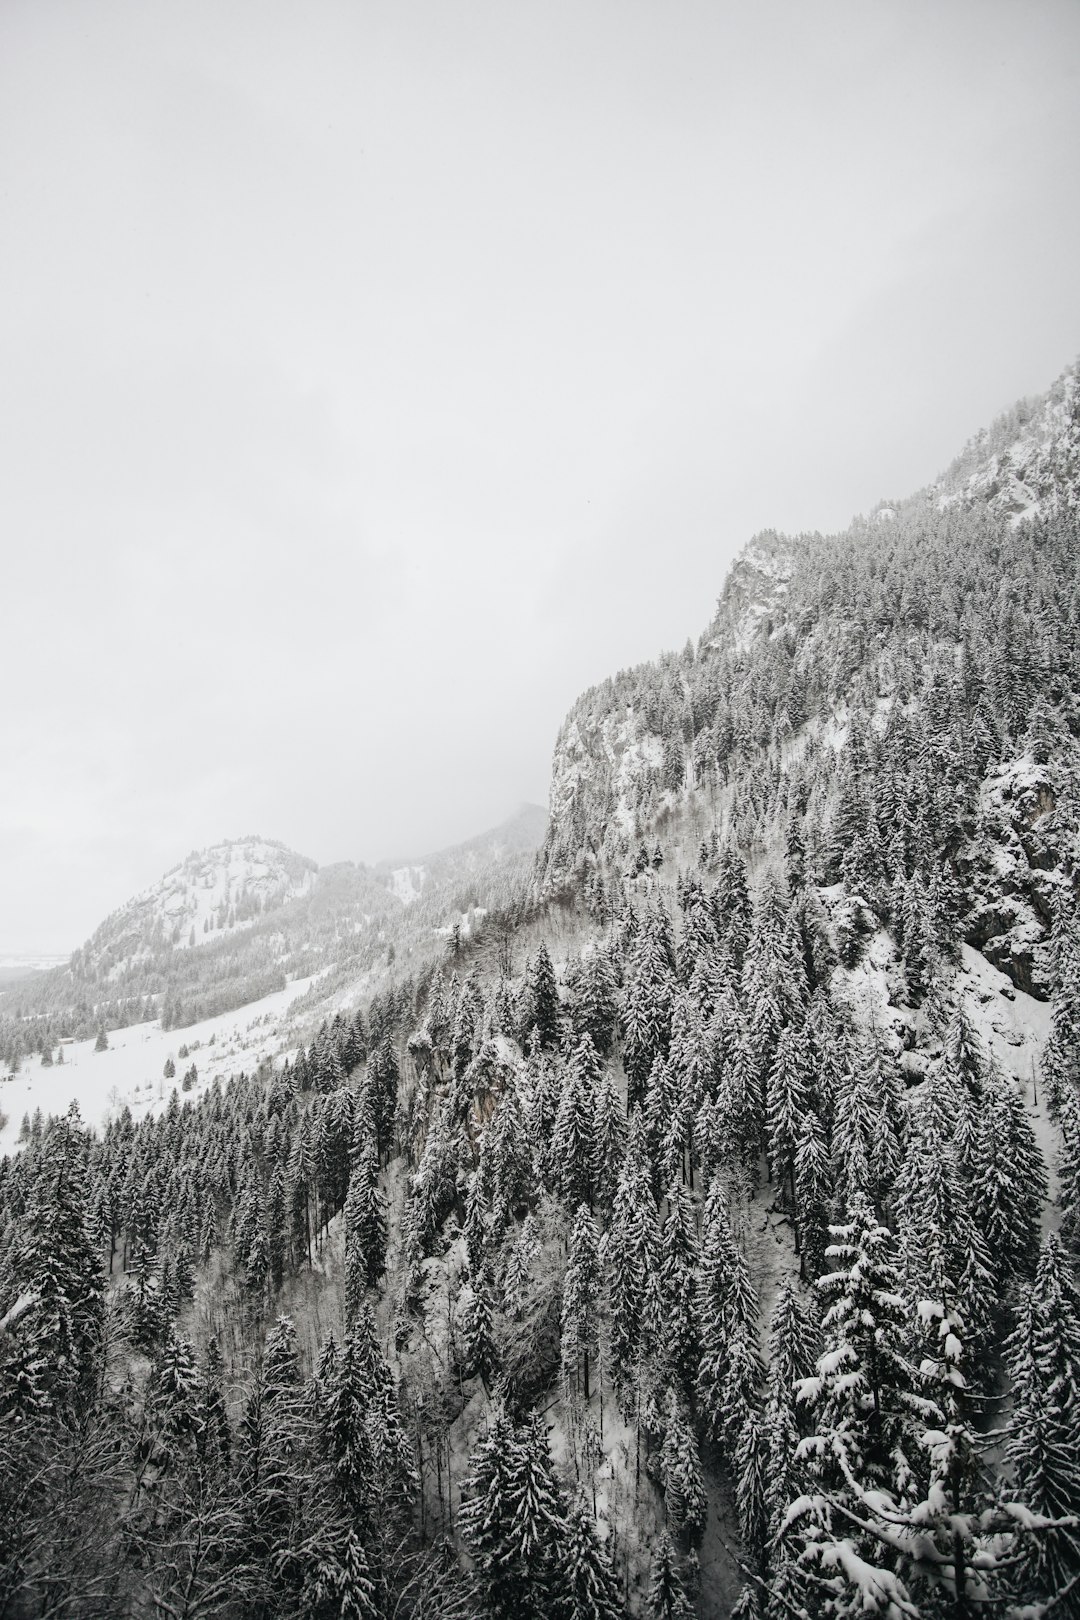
(375, 377)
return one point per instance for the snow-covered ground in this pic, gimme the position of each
(131, 1070)
(407, 882)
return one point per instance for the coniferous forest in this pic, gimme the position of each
(701, 1236)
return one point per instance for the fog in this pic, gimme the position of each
(374, 378)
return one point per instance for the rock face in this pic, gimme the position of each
(1022, 862)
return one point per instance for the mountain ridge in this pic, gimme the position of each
(738, 1147)
(763, 683)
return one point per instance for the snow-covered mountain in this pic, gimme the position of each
(213, 892)
(756, 1090)
(824, 646)
(236, 923)
(1027, 463)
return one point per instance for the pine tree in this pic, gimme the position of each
(1044, 1429)
(626, 1253)
(941, 1249)
(608, 1141)
(55, 1265)
(365, 1223)
(862, 1395)
(667, 1595)
(867, 1438)
(581, 1297)
(813, 1192)
(649, 1002)
(588, 1588)
(788, 1099)
(792, 1357)
(685, 1497)
(338, 1578)
(349, 1395)
(1009, 1181)
(216, 1438)
(509, 1161)
(543, 997)
(727, 1313)
(513, 1521)
(476, 1323)
(595, 1004)
(678, 1270)
(277, 1232)
(573, 1143)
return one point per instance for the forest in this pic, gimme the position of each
(687, 1242)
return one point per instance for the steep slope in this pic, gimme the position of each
(697, 1235)
(916, 674)
(1027, 463)
(500, 848)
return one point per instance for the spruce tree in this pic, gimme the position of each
(667, 1598)
(626, 1255)
(588, 1589)
(581, 1298)
(1043, 1353)
(726, 1313)
(365, 1222)
(477, 1329)
(1009, 1181)
(513, 1521)
(573, 1142)
(543, 996)
(678, 1271)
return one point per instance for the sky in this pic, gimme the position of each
(376, 377)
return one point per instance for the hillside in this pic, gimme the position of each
(214, 891)
(247, 936)
(690, 1229)
(912, 678)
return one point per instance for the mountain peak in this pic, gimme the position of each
(212, 891)
(1026, 463)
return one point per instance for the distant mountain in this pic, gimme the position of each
(213, 892)
(235, 922)
(520, 835)
(16, 966)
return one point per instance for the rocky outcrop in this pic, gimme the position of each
(1024, 858)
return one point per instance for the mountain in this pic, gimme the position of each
(1027, 463)
(236, 922)
(519, 835)
(681, 1220)
(215, 891)
(819, 695)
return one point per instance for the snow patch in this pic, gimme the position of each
(131, 1070)
(407, 883)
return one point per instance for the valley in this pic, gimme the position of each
(664, 1205)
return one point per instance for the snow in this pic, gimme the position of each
(1014, 1026)
(407, 883)
(192, 902)
(131, 1070)
(1027, 473)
